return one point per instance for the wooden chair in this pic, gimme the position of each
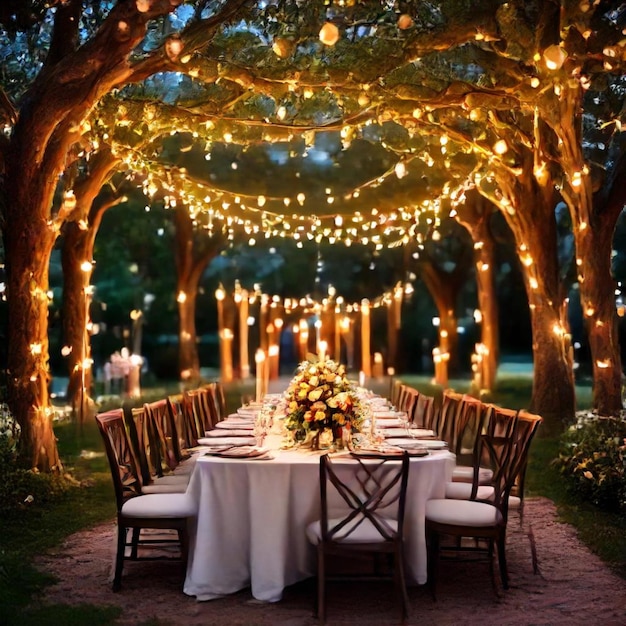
(161, 422)
(137, 511)
(184, 429)
(153, 472)
(469, 423)
(483, 520)
(202, 411)
(362, 511)
(424, 412)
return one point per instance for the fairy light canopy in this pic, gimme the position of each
(351, 121)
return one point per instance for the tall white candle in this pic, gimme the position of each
(259, 358)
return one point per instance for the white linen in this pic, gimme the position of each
(252, 520)
(216, 442)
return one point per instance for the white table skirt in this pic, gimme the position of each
(252, 515)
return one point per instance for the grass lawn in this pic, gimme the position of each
(39, 528)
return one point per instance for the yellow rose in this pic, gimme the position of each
(302, 394)
(315, 394)
(314, 381)
(320, 416)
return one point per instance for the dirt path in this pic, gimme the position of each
(573, 587)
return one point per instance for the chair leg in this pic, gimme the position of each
(183, 537)
(401, 580)
(504, 574)
(119, 557)
(321, 585)
(533, 550)
(492, 572)
(135, 543)
(432, 561)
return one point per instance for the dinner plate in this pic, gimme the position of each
(402, 434)
(252, 453)
(431, 444)
(241, 452)
(388, 422)
(227, 432)
(234, 425)
(372, 452)
(215, 442)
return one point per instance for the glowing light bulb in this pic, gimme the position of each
(329, 34)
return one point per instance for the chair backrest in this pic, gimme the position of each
(528, 425)
(202, 410)
(451, 419)
(146, 444)
(122, 461)
(221, 400)
(407, 398)
(471, 425)
(357, 489)
(193, 426)
(184, 427)
(424, 412)
(394, 395)
(509, 454)
(213, 403)
(161, 421)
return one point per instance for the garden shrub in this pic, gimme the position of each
(20, 488)
(593, 461)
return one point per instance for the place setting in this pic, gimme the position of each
(248, 452)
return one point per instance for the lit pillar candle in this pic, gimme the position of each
(338, 333)
(259, 358)
(378, 365)
(318, 332)
(266, 375)
(278, 327)
(263, 322)
(244, 358)
(366, 364)
(347, 336)
(274, 359)
(304, 339)
(220, 294)
(226, 353)
(322, 350)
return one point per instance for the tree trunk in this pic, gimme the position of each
(444, 291)
(79, 235)
(77, 248)
(188, 360)
(593, 227)
(528, 206)
(192, 257)
(28, 245)
(475, 215)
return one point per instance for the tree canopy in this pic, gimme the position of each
(340, 121)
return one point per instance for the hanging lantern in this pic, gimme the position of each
(329, 34)
(554, 56)
(173, 47)
(282, 47)
(405, 21)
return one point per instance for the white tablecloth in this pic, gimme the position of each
(252, 515)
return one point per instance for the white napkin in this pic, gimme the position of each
(227, 432)
(388, 422)
(225, 441)
(243, 452)
(430, 444)
(234, 425)
(401, 432)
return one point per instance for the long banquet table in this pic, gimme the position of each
(252, 515)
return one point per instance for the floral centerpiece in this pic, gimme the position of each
(322, 403)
